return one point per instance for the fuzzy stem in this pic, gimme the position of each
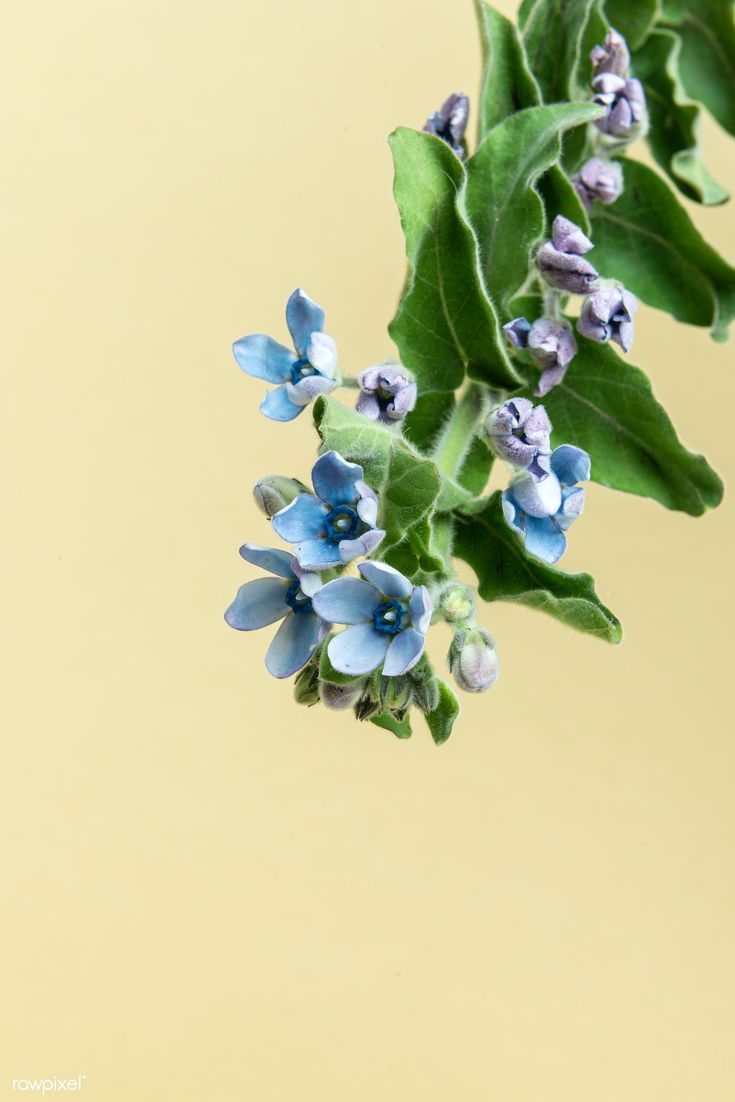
(455, 439)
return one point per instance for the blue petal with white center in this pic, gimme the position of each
(542, 510)
(287, 597)
(303, 373)
(337, 523)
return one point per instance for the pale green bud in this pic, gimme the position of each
(276, 492)
(457, 603)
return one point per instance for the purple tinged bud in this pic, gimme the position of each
(387, 393)
(599, 179)
(553, 347)
(519, 432)
(625, 101)
(607, 315)
(567, 237)
(473, 660)
(450, 122)
(517, 332)
(566, 271)
(612, 57)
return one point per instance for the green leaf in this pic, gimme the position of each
(507, 83)
(634, 19)
(441, 719)
(707, 61)
(673, 135)
(506, 573)
(401, 728)
(560, 197)
(647, 240)
(446, 326)
(424, 423)
(407, 484)
(558, 35)
(504, 208)
(606, 406)
(417, 556)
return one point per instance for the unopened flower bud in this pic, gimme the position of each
(306, 685)
(553, 347)
(613, 56)
(387, 393)
(607, 315)
(339, 697)
(567, 237)
(625, 101)
(517, 332)
(566, 271)
(450, 122)
(599, 179)
(276, 492)
(519, 432)
(473, 660)
(457, 603)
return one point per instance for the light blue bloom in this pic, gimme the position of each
(287, 597)
(335, 524)
(304, 374)
(541, 510)
(388, 620)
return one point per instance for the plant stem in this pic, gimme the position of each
(455, 439)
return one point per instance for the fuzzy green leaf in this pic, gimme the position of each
(503, 206)
(446, 327)
(505, 572)
(441, 719)
(606, 406)
(401, 728)
(673, 135)
(647, 240)
(707, 62)
(407, 484)
(634, 19)
(557, 34)
(507, 83)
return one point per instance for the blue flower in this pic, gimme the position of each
(541, 510)
(388, 620)
(286, 597)
(304, 374)
(337, 523)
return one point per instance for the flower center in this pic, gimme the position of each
(297, 599)
(387, 618)
(341, 523)
(301, 369)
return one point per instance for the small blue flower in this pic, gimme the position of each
(388, 620)
(541, 510)
(303, 375)
(336, 524)
(286, 597)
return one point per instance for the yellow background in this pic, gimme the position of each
(207, 892)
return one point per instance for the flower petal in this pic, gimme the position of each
(334, 479)
(269, 558)
(309, 388)
(347, 601)
(537, 498)
(263, 358)
(258, 603)
(403, 653)
(363, 545)
(511, 512)
(572, 507)
(322, 354)
(316, 554)
(278, 406)
(310, 583)
(421, 607)
(358, 649)
(367, 504)
(570, 465)
(386, 579)
(302, 519)
(544, 539)
(293, 644)
(303, 317)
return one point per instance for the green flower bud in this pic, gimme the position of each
(473, 660)
(306, 685)
(276, 492)
(457, 603)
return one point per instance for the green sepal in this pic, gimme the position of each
(505, 572)
(446, 326)
(440, 719)
(606, 406)
(401, 728)
(647, 240)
